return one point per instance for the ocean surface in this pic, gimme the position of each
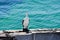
(42, 14)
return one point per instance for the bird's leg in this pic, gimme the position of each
(25, 30)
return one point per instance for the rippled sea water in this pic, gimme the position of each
(42, 13)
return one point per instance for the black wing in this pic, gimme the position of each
(22, 22)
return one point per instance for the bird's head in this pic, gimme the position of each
(26, 14)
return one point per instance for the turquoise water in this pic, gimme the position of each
(42, 13)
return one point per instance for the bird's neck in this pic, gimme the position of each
(27, 17)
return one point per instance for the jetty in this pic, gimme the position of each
(38, 34)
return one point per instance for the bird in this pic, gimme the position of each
(25, 23)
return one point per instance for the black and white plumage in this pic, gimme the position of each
(25, 22)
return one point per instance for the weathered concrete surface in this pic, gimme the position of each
(33, 35)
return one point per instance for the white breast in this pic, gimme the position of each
(26, 22)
